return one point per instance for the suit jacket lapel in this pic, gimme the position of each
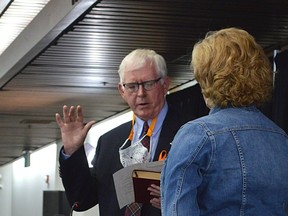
(170, 127)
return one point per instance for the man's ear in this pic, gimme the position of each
(121, 89)
(166, 83)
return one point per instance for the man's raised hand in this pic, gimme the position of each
(73, 129)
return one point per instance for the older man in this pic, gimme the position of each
(143, 85)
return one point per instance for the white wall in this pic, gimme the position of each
(29, 182)
(6, 190)
(21, 188)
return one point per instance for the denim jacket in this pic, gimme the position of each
(232, 162)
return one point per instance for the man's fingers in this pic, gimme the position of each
(154, 190)
(156, 202)
(71, 115)
(65, 114)
(58, 119)
(79, 114)
(89, 125)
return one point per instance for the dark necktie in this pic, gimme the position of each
(134, 209)
(146, 140)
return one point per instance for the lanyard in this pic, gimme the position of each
(149, 132)
(162, 155)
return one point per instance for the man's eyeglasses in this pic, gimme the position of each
(147, 85)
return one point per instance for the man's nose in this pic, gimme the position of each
(141, 90)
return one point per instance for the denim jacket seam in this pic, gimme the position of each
(211, 137)
(189, 162)
(248, 127)
(244, 172)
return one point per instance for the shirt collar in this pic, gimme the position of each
(161, 116)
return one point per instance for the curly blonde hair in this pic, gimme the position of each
(232, 69)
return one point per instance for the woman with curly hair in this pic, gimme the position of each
(234, 160)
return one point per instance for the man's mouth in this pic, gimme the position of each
(142, 104)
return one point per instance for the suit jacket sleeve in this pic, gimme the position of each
(95, 186)
(77, 180)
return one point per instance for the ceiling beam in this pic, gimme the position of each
(55, 17)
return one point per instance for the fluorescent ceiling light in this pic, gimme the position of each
(3, 5)
(17, 16)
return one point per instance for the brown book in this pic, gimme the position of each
(142, 179)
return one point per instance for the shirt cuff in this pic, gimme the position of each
(65, 156)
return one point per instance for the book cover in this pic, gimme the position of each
(142, 179)
(123, 181)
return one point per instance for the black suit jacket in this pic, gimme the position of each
(96, 186)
